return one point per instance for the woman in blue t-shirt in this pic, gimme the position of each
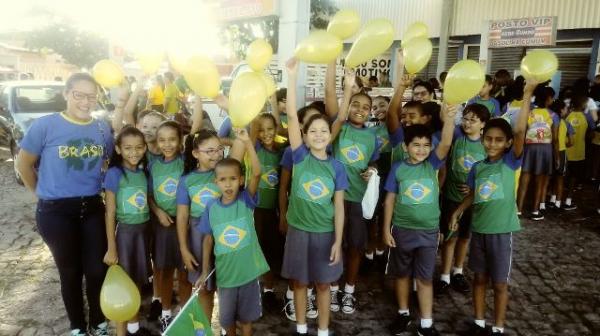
(71, 148)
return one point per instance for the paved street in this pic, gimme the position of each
(555, 288)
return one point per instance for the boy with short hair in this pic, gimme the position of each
(484, 98)
(466, 150)
(412, 206)
(228, 223)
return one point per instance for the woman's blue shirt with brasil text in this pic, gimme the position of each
(71, 155)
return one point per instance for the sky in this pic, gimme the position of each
(136, 24)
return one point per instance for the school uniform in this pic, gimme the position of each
(310, 216)
(196, 190)
(132, 217)
(239, 260)
(494, 216)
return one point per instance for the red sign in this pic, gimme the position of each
(531, 31)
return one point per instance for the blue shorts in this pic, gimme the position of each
(491, 254)
(537, 159)
(239, 304)
(414, 254)
(356, 233)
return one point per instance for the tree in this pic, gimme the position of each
(78, 47)
(320, 12)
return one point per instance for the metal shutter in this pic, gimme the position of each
(573, 59)
(506, 58)
(473, 53)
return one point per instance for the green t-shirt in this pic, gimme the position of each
(383, 137)
(268, 186)
(417, 193)
(151, 157)
(238, 257)
(355, 148)
(464, 153)
(131, 191)
(197, 189)
(165, 178)
(314, 183)
(493, 185)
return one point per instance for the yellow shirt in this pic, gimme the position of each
(539, 130)
(156, 95)
(171, 93)
(580, 126)
(562, 136)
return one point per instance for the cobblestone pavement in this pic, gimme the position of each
(555, 287)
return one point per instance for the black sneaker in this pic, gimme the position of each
(440, 287)
(459, 283)
(348, 303)
(141, 332)
(270, 301)
(164, 322)
(311, 307)
(475, 330)
(400, 325)
(431, 331)
(289, 309)
(334, 305)
(155, 310)
(99, 330)
(569, 207)
(537, 216)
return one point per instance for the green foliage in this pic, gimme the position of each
(76, 46)
(240, 34)
(320, 12)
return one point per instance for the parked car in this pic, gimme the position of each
(21, 102)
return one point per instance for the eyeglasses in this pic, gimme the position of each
(92, 98)
(470, 121)
(212, 151)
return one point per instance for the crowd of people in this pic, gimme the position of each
(286, 200)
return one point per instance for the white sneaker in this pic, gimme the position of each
(311, 310)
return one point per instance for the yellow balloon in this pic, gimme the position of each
(202, 76)
(150, 61)
(259, 54)
(464, 81)
(539, 64)
(246, 98)
(416, 29)
(119, 296)
(319, 47)
(344, 23)
(269, 83)
(108, 73)
(178, 61)
(417, 53)
(374, 39)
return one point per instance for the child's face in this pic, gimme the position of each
(421, 94)
(380, 107)
(495, 143)
(266, 131)
(418, 149)
(358, 112)
(318, 135)
(132, 149)
(563, 112)
(148, 125)
(485, 90)
(471, 124)
(414, 117)
(281, 105)
(208, 153)
(168, 142)
(229, 180)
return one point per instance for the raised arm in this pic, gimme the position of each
(197, 115)
(448, 114)
(117, 122)
(349, 79)
(521, 123)
(331, 102)
(401, 82)
(252, 184)
(295, 136)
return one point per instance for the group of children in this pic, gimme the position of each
(228, 225)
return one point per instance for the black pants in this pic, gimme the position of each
(73, 229)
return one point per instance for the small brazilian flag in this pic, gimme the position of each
(191, 321)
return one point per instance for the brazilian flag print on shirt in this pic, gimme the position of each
(494, 204)
(238, 256)
(197, 189)
(355, 148)
(463, 155)
(268, 185)
(417, 193)
(165, 178)
(131, 191)
(314, 183)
